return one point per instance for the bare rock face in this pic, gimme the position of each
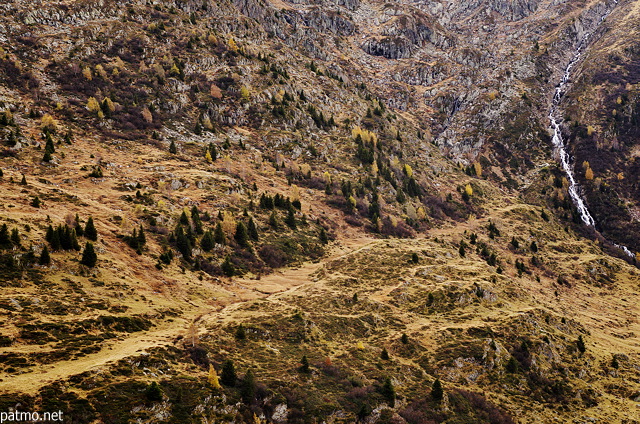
(331, 22)
(508, 9)
(391, 47)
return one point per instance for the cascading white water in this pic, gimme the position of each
(558, 142)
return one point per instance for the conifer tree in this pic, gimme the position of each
(290, 220)
(248, 387)
(24, 180)
(45, 258)
(241, 236)
(36, 203)
(90, 231)
(5, 240)
(184, 219)
(388, 392)
(213, 377)
(55, 241)
(218, 235)
(47, 156)
(253, 230)
(142, 238)
(173, 149)
(15, 237)
(304, 367)
(384, 355)
(89, 257)
(207, 242)
(197, 222)
(227, 267)
(241, 333)
(437, 393)
(78, 227)
(228, 374)
(182, 243)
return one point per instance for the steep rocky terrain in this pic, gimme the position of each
(354, 204)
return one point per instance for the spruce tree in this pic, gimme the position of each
(90, 231)
(304, 367)
(182, 243)
(173, 149)
(142, 238)
(290, 220)
(241, 236)
(437, 393)
(78, 227)
(89, 257)
(241, 333)
(153, 392)
(248, 387)
(253, 230)
(55, 240)
(323, 236)
(47, 156)
(5, 240)
(228, 374)
(36, 202)
(23, 181)
(388, 392)
(207, 242)
(384, 355)
(15, 237)
(580, 344)
(227, 267)
(45, 258)
(184, 219)
(218, 235)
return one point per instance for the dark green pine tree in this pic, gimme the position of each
(23, 181)
(290, 220)
(304, 367)
(142, 238)
(253, 230)
(227, 267)
(49, 146)
(323, 236)
(47, 156)
(89, 257)
(248, 387)
(197, 222)
(45, 257)
(35, 202)
(182, 243)
(388, 392)
(241, 333)
(55, 241)
(90, 231)
(218, 235)
(384, 355)
(228, 374)
(78, 227)
(184, 219)
(173, 149)
(437, 393)
(241, 236)
(207, 242)
(15, 237)
(5, 240)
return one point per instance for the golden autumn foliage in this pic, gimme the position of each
(468, 189)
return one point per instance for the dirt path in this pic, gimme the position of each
(247, 290)
(30, 382)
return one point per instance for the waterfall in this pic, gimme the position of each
(558, 142)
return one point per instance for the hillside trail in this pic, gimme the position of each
(167, 332)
